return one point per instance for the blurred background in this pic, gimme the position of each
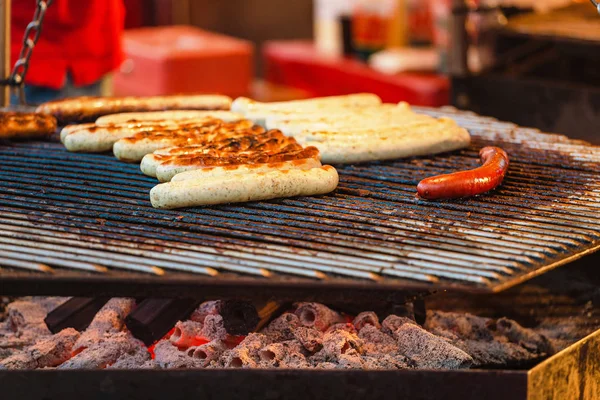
(535, 63)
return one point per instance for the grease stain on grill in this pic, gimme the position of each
(371, 233)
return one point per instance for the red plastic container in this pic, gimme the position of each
(299, 65)
(183, 59)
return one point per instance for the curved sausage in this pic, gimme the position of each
(468, 183)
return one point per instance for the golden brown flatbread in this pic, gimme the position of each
(20, 125)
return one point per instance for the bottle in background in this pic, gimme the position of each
(398, 35)
(419, 23)
(482, 26)
(440, 11)
(332, 27)
(372, 21)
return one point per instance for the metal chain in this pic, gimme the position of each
(30, 38)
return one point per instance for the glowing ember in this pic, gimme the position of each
(310, 336)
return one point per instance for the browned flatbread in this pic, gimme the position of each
(287, 153)
(221, 145)
(167, 169)
(268, 141)
(135, 147)
(87, 109)
(20, 125)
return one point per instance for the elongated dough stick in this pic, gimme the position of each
(270, 142)
(135, 147)
(167, 170)
(178, 116)
(21, 125)
(244, 104)
(93, 138)
(258, 112)
(213, 172)
(350, 123)
(87, 109)
(345, 150)
(246, 187)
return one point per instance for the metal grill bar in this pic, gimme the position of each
(87, 217)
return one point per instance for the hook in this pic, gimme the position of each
(596, 4)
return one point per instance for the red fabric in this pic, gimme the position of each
(80, 37)
(134, 14)
(297, 64)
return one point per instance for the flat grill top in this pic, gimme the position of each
(88, 218)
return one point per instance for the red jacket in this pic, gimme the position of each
(82, 37)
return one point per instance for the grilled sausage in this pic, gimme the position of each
(468, 183)
(166, 171)
(246, 187)
(20, 125)
(135, 126)
(269, 142)
(134, 148)
(176, 116)
(213, 172)
(92, 138)
(96, 139)
(73, 128)
(87, 109)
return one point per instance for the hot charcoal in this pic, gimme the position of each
(138, 358)
(239, 317)
(208, 352)
(108, 321)
(104, 353)
(4, 301)
(311, 339)
(153, 318)
(307, 335)
(23, 323)
(76, 313)
(187, 333)
(167, 355)
(428, 350)
(246, 354)
(317, 315)
(377, 342)
(489, 341)
(214, 328)
(282, 327)
(366, 318)
(49, 352)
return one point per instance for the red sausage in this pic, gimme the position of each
(468, 183)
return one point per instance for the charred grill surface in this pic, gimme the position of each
(78, 224)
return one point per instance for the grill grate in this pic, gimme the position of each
(79, 223)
